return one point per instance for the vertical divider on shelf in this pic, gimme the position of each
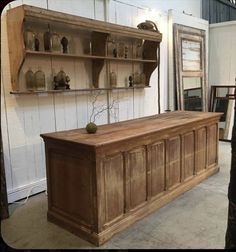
(107, 84)
(98, 49)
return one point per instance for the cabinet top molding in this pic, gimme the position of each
(120, 131)
(45, 15)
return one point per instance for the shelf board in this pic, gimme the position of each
(68, 55)
(65, 55)
(73, 90)
(130, 60)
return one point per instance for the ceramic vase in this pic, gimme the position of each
(39, 78)
(64, 43)
(47, 40)
(29, 79)
(113, 79)
(143, 79)
(121, 50)
(29, 38)
(56, 43)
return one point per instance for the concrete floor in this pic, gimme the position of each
(195, 220)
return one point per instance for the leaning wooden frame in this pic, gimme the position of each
(190, 62)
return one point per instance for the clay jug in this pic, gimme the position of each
(39, 77)
(29, 79)
(47, 40)
(113, 79)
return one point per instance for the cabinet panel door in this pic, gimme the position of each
(188, 155)
(113, 187)
(156, 163)
(71, 186)
(136, 177)
(212, 144)
(200, 150)
(173, 162)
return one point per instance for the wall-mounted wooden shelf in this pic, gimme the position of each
(99, 33)
(68, 55)
(75, 90)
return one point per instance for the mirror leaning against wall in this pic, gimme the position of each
(222, 99)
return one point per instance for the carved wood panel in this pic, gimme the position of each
(187, 155)
(200, 158)
(173, 162)
(212, 144)
(156, 163)
(136, 177)
(113, 187)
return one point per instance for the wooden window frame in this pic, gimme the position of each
(181, 33)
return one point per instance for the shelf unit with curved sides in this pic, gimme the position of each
(99, 33)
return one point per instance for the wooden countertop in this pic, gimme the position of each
(132, 128)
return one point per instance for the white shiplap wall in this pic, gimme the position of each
(25, 117)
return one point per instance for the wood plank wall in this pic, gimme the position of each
(25, 117)
(217, 11)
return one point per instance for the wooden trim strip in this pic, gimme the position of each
(86, 23)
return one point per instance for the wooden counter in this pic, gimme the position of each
(99, 184)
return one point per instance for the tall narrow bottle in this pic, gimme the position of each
(113, 79)
(29, 79)
(39, 78)
(47, 40)
(56, 42)
(29, 39)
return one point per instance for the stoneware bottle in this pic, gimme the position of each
(64, 43)
(56, 42)
(39, 77)
(29, 80)
(143, 79)
(113, 79)
(29, 37)
(36, 43)
(47, 40)
(136, 78)
(121, 50)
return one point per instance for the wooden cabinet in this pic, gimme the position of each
(95, 49)
(100, 184)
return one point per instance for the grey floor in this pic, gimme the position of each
(195, 220)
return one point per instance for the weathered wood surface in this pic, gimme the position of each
(133, 128)
(16, 44)
(190, 62)
(99, 184)
(191, 55)
(85, 23)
